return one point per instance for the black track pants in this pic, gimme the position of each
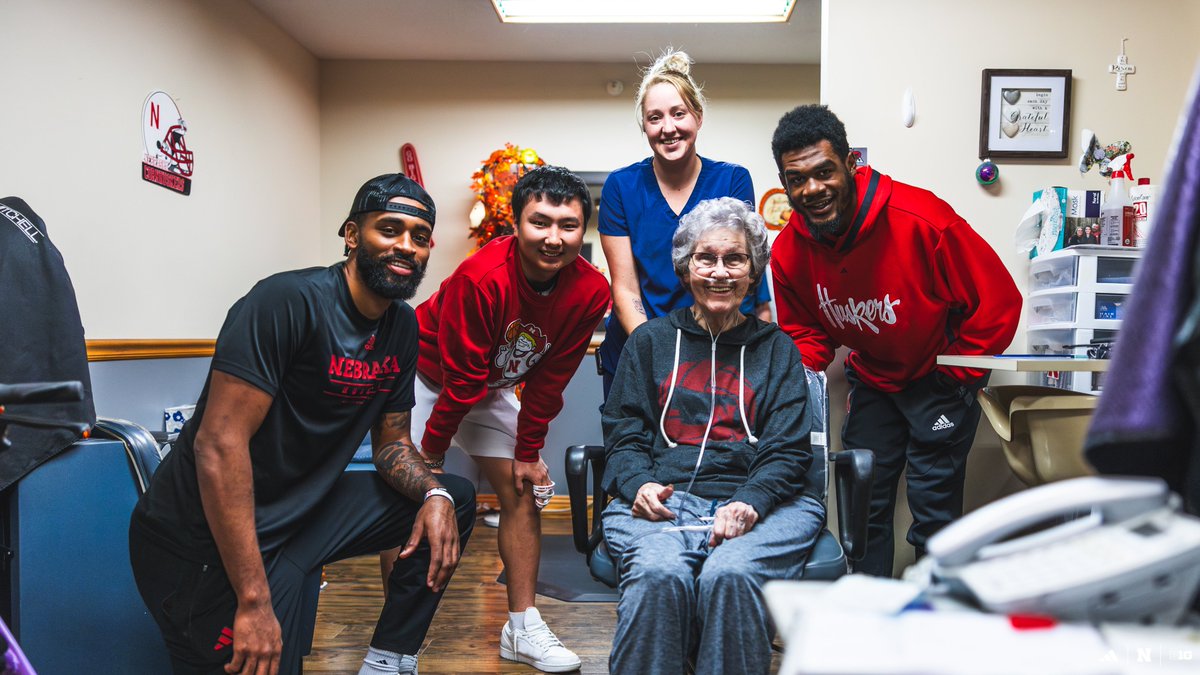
(924, 431)
(194, 604)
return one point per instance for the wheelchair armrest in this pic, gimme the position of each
(854, 474)
(141, 446)
(578, 458)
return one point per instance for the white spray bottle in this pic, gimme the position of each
(1116, 216)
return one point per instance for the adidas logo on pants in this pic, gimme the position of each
(942, 423)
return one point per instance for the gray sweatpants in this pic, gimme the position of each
(678, 595)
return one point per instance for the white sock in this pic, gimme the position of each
(379, 661)
(533, 618)
(516, 620)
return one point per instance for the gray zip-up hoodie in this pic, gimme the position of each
(752, 427)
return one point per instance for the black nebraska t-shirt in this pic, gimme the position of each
(331, 372)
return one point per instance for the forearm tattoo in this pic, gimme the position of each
(401, 465)
(398, 422)
(637, 307)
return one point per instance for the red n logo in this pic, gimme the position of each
(154, 111)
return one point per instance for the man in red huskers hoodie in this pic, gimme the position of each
(892, 272)
(521, 309)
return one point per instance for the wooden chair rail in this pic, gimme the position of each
(129, 350)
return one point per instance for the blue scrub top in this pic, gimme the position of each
(631, 205)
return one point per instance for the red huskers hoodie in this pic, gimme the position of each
(907, 281)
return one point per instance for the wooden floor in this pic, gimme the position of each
(465, 635)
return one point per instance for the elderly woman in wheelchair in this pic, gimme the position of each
(707, 446)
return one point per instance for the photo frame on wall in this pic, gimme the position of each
(775, 209)
(1025, 114)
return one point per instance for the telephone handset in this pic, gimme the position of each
(1133, 557)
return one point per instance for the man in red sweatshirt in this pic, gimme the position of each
(520, 310)
(892, 272)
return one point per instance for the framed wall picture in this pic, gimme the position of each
(1025, 114)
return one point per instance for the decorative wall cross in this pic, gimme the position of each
(1122, 68)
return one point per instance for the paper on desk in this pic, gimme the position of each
(853, 592)
(1161, 650)
(829, 641)
(864, 593)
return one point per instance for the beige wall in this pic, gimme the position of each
(456, 114)
(282, 142)
(872, 50)
(147, 262)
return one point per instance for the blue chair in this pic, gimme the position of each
(831, 557)
(145, 451)
(82, 496)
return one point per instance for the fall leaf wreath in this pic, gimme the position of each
(493, 184)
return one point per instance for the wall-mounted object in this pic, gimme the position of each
(493, 184)
(775, 208)
(987, 172)
(410, 164)
(614, 87)
(1122, 68)
(166, 159)
(908, 108)
(1024, 114)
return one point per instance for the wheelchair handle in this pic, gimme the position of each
(41, 392)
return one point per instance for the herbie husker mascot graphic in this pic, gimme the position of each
(524, 345)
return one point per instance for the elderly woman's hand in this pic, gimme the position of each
(649, 502)
(732, 520)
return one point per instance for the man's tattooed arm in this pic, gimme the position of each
(397, 460)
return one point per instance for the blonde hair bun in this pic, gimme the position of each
(671, 60)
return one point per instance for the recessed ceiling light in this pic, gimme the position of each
(640, 11)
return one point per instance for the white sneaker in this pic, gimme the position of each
(408, 665)
(492, 519)
(536, 645)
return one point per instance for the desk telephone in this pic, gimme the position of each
(1133, 557)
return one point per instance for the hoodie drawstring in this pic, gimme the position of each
(670, 392)
(742, 392)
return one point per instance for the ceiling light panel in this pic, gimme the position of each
(640, 11)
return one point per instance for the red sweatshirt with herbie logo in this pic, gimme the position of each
(486, 328)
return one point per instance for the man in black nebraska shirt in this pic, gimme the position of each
(254, 498)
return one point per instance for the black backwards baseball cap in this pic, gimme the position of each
(377, 193)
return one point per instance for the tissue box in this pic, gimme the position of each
(1047, 247)
(173, 418)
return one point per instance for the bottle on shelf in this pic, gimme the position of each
(1142, 198)
(1117, 215)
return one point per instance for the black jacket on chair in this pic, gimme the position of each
(41, 337)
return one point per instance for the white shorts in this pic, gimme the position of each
(489, 428)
